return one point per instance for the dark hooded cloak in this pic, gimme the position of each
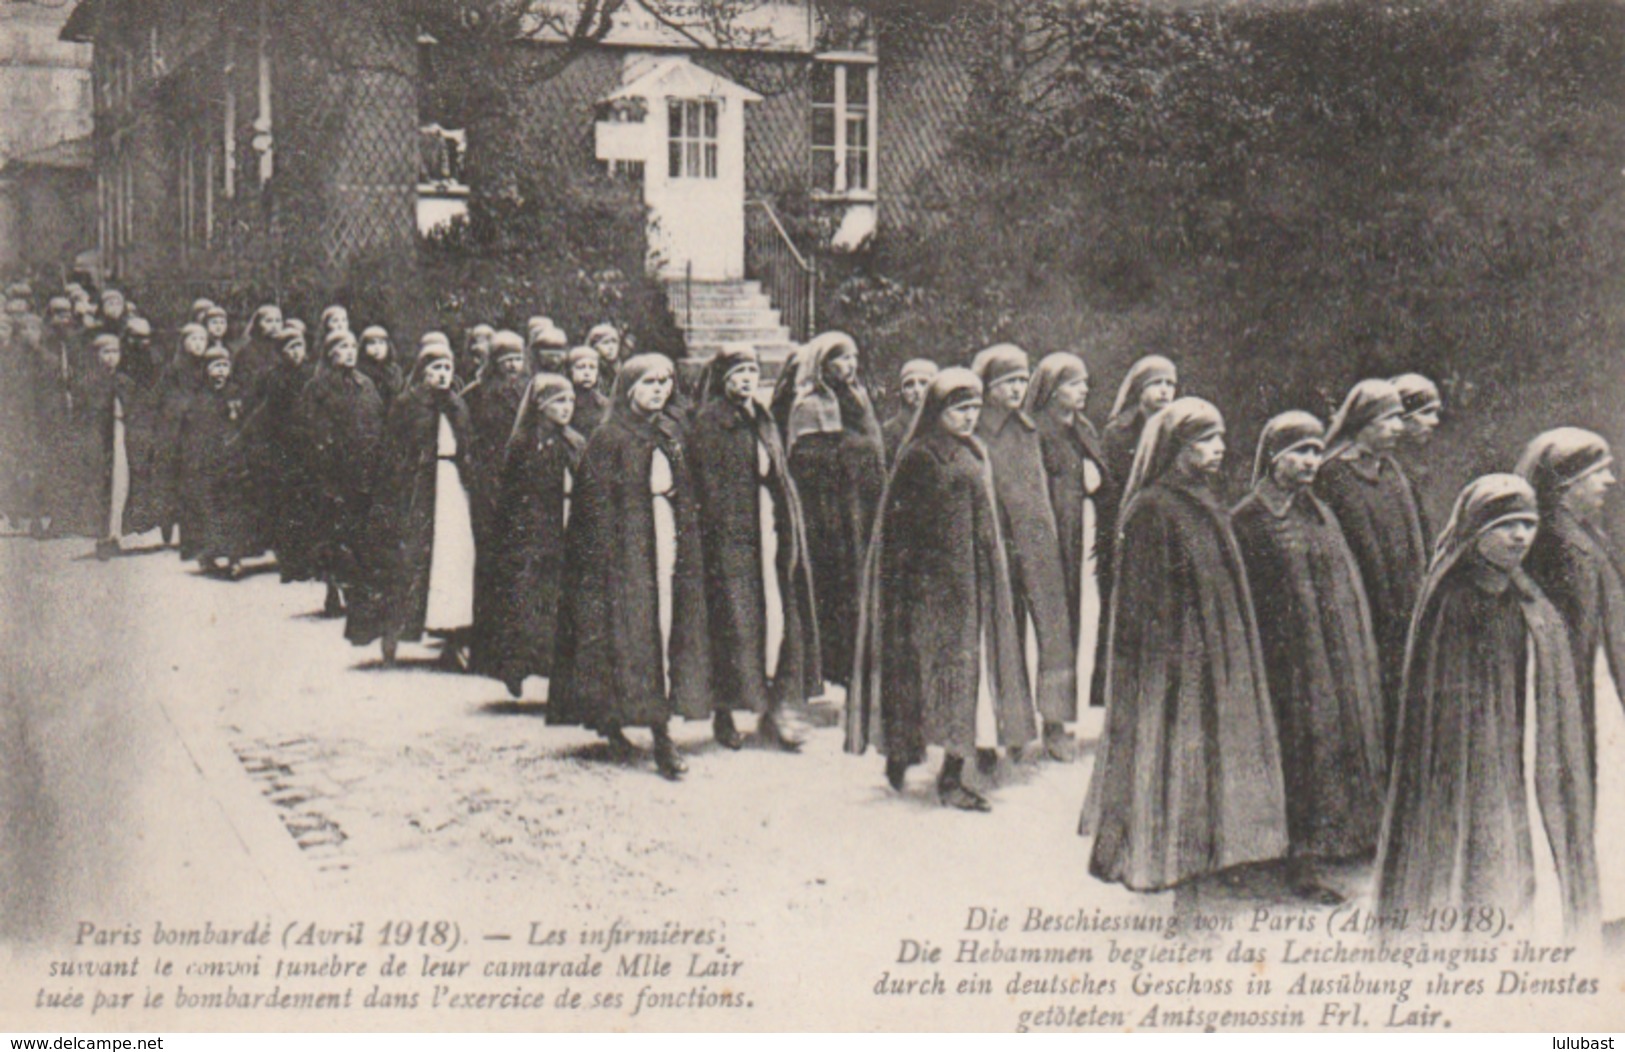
(342, 419)
(1459, 831)
(1188, 778)
(282, 465)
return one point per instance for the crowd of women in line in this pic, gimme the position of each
(1305, 676)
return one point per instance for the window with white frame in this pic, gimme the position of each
(843, 126)
(691, 138)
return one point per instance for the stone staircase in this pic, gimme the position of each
(730, 312)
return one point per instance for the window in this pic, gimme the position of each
(692, 138)
(843, 127)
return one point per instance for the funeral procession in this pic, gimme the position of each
(815, 460)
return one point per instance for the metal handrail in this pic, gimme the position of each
(790, 278)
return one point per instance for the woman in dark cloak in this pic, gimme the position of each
(759, 598)
(1424, 408)
(1490, 807)
(838, 465)
(256, 353)
(1188, 778)
(215, 480)
(939, 656)
(476, 355)
(493, 405)
(182, 381)
(379, 363)
(1374, 503)
(137, 358)
(1571, 472)
(912, 380)
(1150, 385)
(632, 646)
(418, 554)
(1320, 657)
(122, 426)
(282, 462)
(1083, 495)
(607, 340)
(521, 566)
(1032, 546)
(342, 419)
(586, 375)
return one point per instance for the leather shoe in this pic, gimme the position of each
(619, 744)
(515, 685)
(667, 762)
(987, 761)
(955, 794)
(773, 733)
(727, 735)
(896, 772)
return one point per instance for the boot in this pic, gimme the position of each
(727, 735)
(667, 762)
(1058, 744)
(896, 772)
(772, 731)
(515, 685)
(951, 789)
(334, 604)
(389, 644)
(619, 744)
(106, 548)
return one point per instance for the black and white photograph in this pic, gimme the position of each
(1089, 516)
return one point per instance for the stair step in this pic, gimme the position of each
(775, 352)
(752, 334)
(753, 287)
(677, 294)
(729, 316)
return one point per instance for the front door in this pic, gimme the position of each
(696, 192)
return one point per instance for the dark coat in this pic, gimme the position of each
(396, 550)
(1571, 563)
(892, 433)
(20, 443)
(493, 406)
(937, 597)
(215, 481)
(342, 419)
(521, 561)
(386, 376)
(1033, 548)
(1321, 661)
(609, 664)
(590, 407)
(1118, 441)
(1380, 520)
(1457, 828)
(723, 452)
(139, 413)
(71, 482)
(839, 477)
(181, 381)
(253, 358)
(1188, 781)
(282, 466)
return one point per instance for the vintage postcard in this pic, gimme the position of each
(801, 515)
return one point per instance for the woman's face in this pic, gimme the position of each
(650, 394)
(109, 357)
(584, 373)
(1382, 434)
(1073, 395)
(1156, 395)
(1588, 493)
(113, 307)
(609, 347)
(338, 321)
(376, 349)
(561, 409)
(343, 354)
(913, 390)
(961, 419)
(293, 352)
(270, 322)
(1010, 392)
(1420, 425)
(843, 365)
(512, 365)
(1205, 455)
(1296, 468)
(219, 371)
(438, 374)
(740, 386)
(216, 326)
(195, 344)
(1505, 544)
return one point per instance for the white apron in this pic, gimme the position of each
(1088, 589)
(121, 476)
(1546, 909)
(451, 560)
(661, 485)
(773, 598)
(1610, 792)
